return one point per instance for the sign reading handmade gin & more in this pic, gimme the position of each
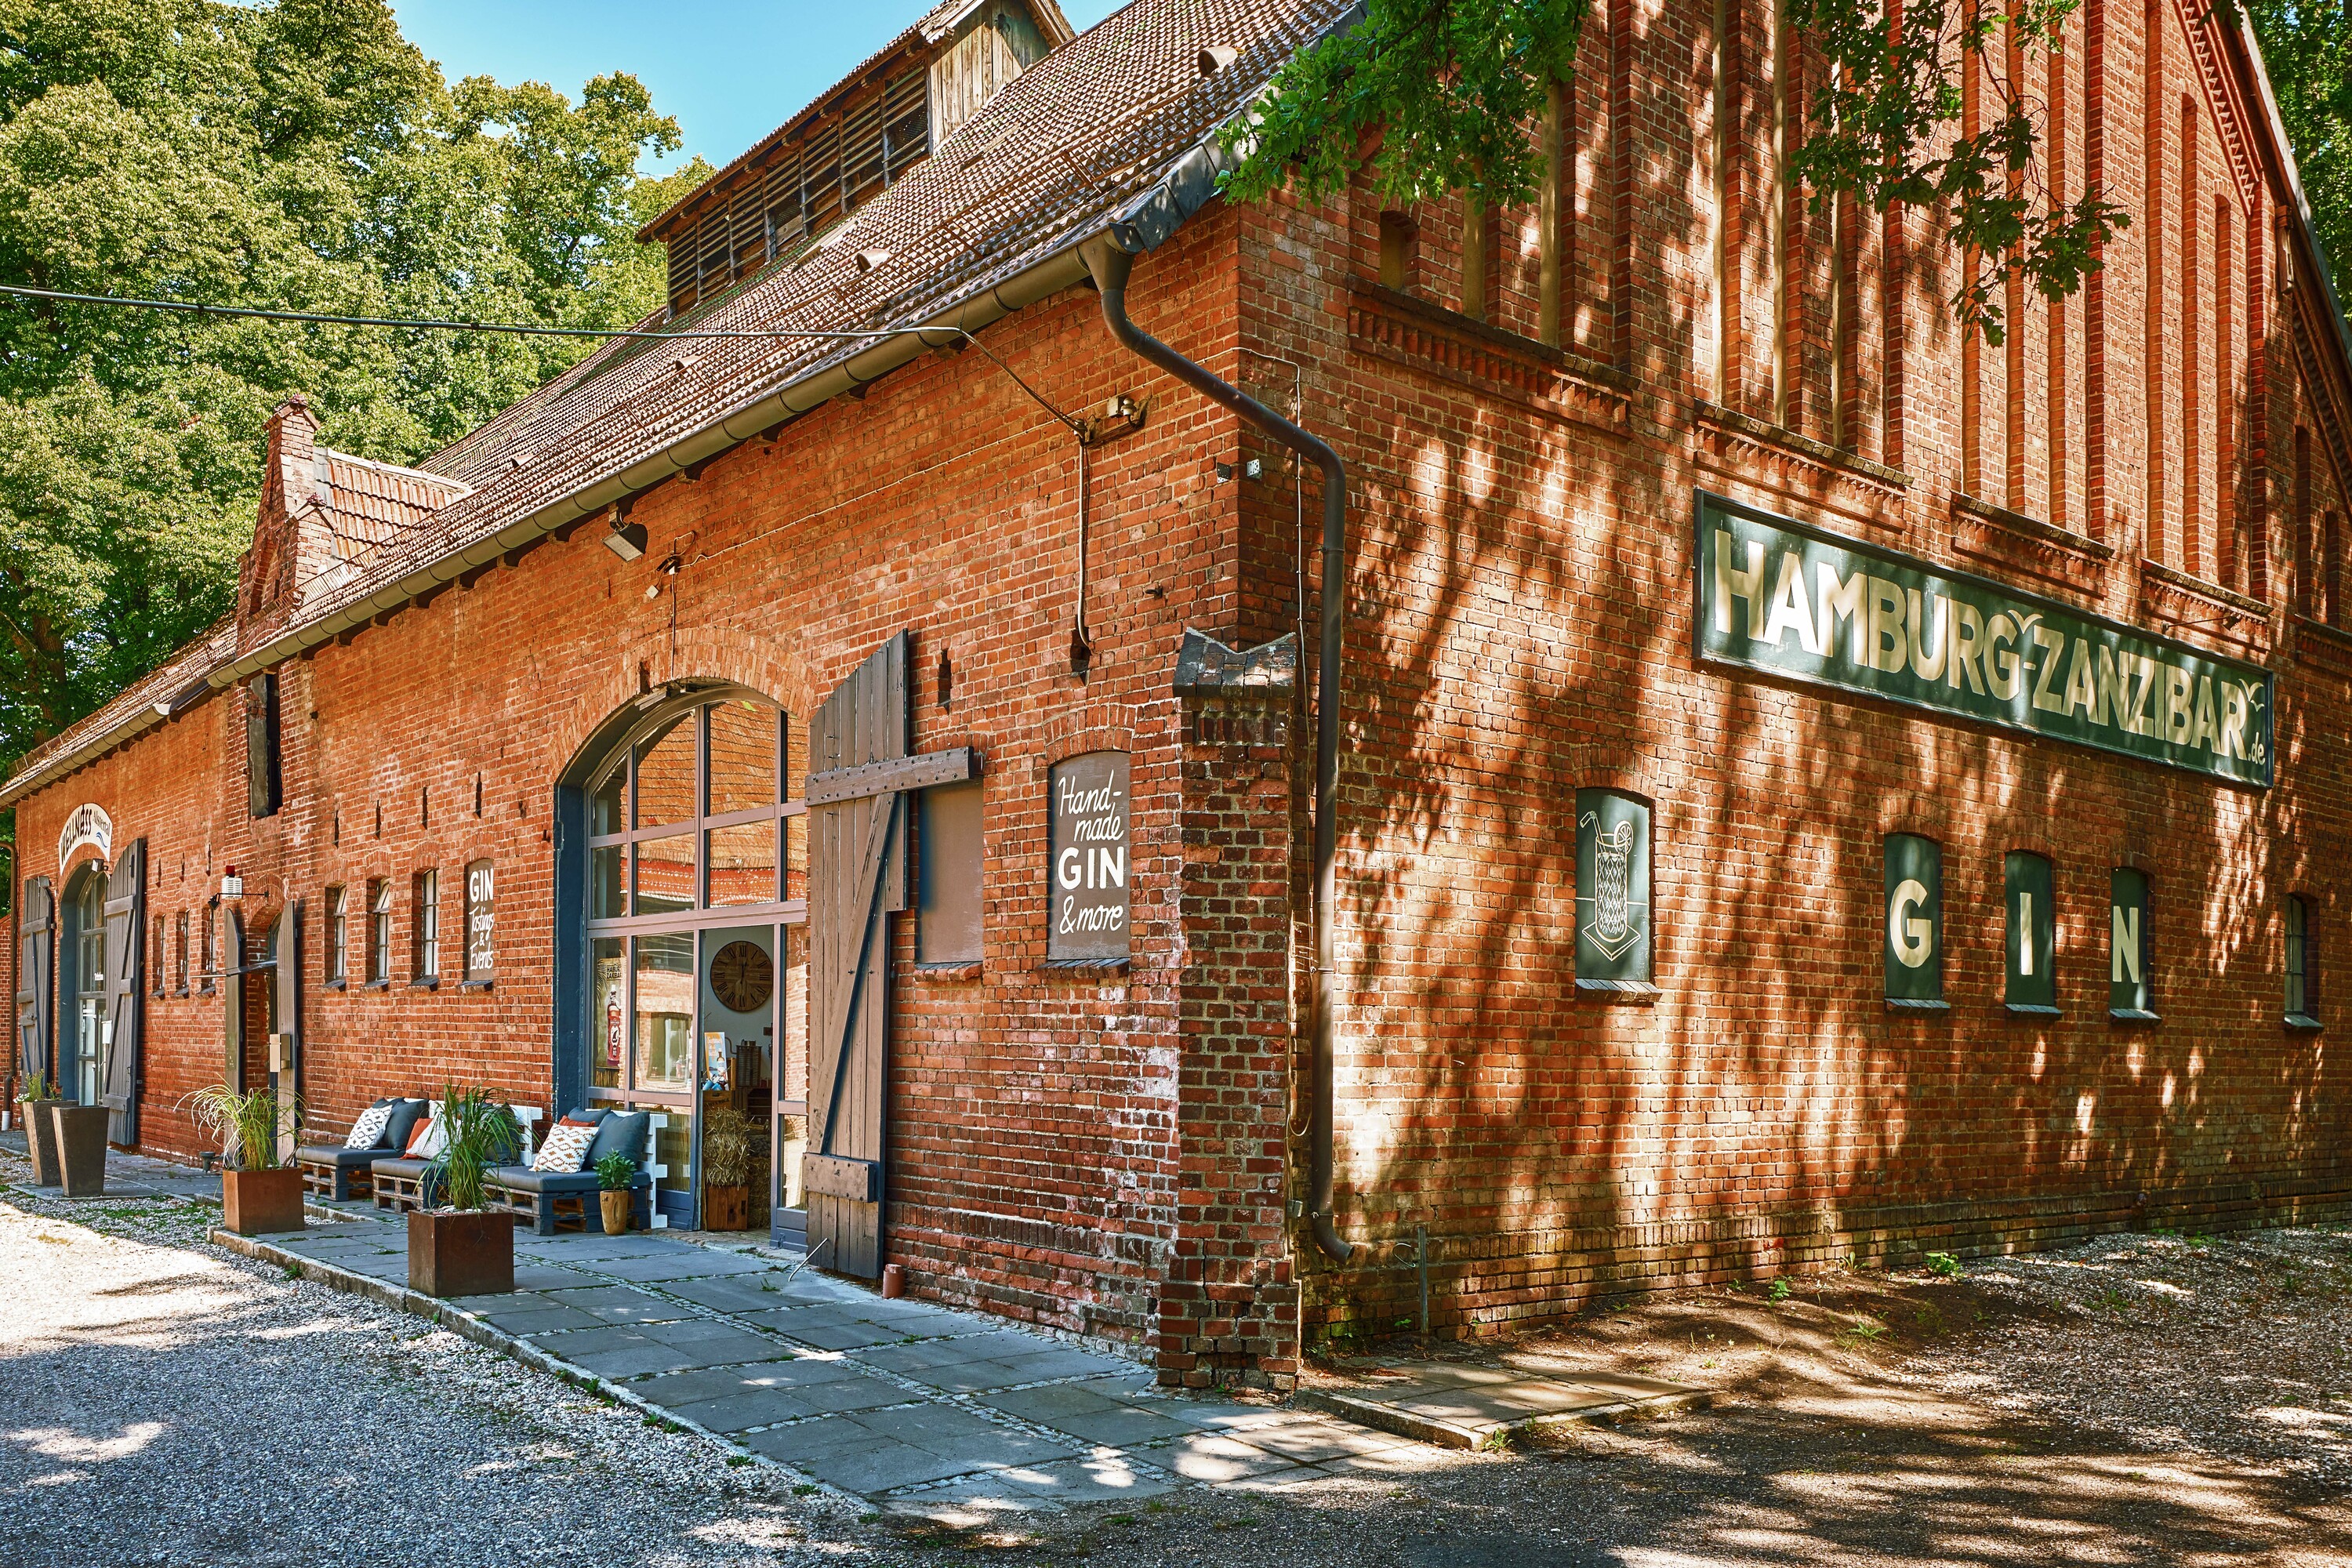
(1087, 842)
(1776, 595)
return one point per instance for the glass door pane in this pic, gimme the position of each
(664, 1034)
(609, 1026)
(790, 1218)
(665, 774)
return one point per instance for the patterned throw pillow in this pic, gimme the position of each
(430, 1137)
(370, 1127)
(566, 1146)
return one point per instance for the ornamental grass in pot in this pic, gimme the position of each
(259, 1195)
(616, 1175)
(725, 1170)
(459, 1245)
(35, 1098)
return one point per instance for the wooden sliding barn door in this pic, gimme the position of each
(126, 967)
(858, 878)
(36, 1014)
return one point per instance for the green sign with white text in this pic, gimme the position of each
(1794, 601)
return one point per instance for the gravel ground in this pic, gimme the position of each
(2142, 1400)
(175, 1404)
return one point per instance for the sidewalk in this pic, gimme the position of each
(915, 1407)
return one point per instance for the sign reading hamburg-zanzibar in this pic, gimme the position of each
(1776, 595)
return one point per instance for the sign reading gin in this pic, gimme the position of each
(1779, 596)
(1088, 844)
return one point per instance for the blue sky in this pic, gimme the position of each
(728, 70)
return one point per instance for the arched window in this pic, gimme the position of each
(695, 887)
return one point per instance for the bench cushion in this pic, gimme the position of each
(523, 1179)
(338, 1156)
(405, 1170)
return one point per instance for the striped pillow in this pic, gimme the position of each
(566, 1147)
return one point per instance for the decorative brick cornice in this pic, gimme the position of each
(2015, 542)
(1453, 347)
(2320, 646)
(1761, 452)
(2191, 604)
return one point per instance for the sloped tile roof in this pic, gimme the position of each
(1053, 159)
(369, 506)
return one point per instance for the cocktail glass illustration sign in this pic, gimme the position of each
(1612, 889)
(1089, 859)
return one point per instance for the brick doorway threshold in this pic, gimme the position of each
(1456, 1406)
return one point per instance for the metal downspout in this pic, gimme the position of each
(1111, 267)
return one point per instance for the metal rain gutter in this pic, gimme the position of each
(1053, 273)
(1111, 263)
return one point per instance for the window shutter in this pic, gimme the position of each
(126, 918)
(36, 947)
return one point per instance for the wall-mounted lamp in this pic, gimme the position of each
(626, 540)
(232, 885)
(1248, 470)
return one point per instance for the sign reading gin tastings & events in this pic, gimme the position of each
(1776, 595)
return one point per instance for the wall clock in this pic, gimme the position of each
(743, 977)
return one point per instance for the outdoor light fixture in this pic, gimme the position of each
(232, 885)
(627, 540)
(1248, 470)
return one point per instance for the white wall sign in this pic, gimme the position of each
(87, 824)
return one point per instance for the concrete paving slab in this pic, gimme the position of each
(594, 1340)
(685, 1262)
(619, 1304)
(924, 1355)
(741, 1412)
(855, 1394)
(732, 1293)
(829, 1334)
(1311, 1441)
(835, 1450)
(1212, 1456)
(632, 1362)
(1086, 1416)
(676, 1388)
(725, 1345)
(1460, 1406)
(546, 1277)
(960, 1377)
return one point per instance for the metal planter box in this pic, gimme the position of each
(262, 1203)
(460, 1253)
(81, 1148)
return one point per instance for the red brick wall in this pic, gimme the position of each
(1091, 1152)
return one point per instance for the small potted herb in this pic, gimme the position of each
(616, 1175)
(259, 1195)
(34, 1099)
(459, 1245)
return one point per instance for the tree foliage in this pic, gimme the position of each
(1455, 86)
(2307, 45)
(299, 155)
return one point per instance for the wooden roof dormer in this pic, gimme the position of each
(852, 143)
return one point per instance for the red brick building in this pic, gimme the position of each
(1802, 781)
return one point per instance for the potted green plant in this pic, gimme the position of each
(458, 1244)
(725, 1170)
(34, 1099)
(616, 1175)
(259, 1195)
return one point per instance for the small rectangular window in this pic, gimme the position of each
(263, 788)
(179, 954)
(209, 956)
(947, 837)
(1914, 923)
(2032, 942)
(155, 964)
(2131, 979)
(338, 938)
(380, 932)
(426, 957)
(481, 922)
(2302, 967)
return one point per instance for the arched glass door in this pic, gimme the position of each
(89, 986)
(698, 872)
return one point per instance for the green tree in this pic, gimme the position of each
(302, 156)
(2307, 43)
(1452, 87)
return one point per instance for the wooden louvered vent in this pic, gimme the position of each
(799, 189)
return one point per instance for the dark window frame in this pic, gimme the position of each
(2302, 973)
